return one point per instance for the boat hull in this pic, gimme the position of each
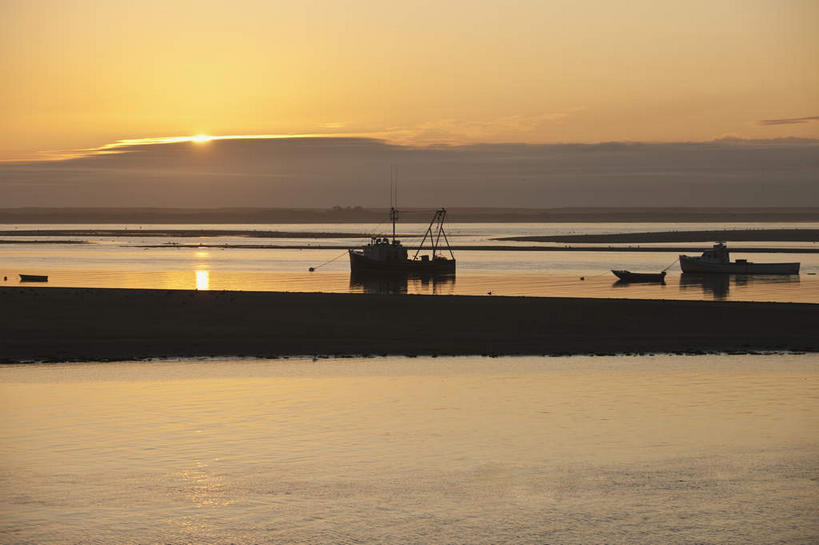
(628, 276)
(33, 278)
(696, 265)
(361, 264)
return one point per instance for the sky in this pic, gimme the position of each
(80, 75)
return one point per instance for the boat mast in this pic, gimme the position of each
(393, 201)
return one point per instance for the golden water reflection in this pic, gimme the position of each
(487, 443)
(202, 280)
(797, 289)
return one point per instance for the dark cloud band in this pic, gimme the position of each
(789, 121)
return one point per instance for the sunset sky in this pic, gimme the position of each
(84, 74)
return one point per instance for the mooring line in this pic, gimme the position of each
(312, 269)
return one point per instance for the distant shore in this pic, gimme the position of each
(455, 247)
(78, 324)
(182, 233)
(357, 214)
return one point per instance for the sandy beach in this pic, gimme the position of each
(78, 324)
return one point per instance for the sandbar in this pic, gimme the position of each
(79, 324)
(734, 235)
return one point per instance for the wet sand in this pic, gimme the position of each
(732, 235)
(456, 248)
(729, 235)
(78, 324)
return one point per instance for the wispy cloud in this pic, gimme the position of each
(452, 131)
(129, 144)
(446, 132)
(789, 121)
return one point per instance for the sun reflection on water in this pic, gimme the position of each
(202, 280)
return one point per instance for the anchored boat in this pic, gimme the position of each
(33, 278)
(717, 260)
(628, 276)
(385, 256)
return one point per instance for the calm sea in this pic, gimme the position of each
(662, 449)
(130, 262)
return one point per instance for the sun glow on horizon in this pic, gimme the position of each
(201, 138)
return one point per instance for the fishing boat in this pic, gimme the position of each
(33, 278)
(388, 256)
(628, 276)
(718, 260)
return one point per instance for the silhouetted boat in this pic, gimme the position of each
(628, 276)
(717, 260)
(33, 278)
(385, 256)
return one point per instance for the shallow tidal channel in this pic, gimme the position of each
(650, 449)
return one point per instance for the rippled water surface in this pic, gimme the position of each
(166, 262)
(662, 449)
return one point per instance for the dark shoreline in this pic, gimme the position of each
(79, 324)
(182, 233)
(489, 248)
(456, 248)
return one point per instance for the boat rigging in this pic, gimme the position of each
(385, 256)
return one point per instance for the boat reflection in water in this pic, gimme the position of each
(397, 284)
(715, 284)
(718, 285)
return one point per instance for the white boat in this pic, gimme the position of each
(718, 260)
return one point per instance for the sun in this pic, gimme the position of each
(200, 138)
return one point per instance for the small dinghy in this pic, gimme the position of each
(628, 276)
(33, 278)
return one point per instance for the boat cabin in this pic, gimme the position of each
(717, 254)
(381, 249)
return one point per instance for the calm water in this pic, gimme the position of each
(663, 449)
(125, 262)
